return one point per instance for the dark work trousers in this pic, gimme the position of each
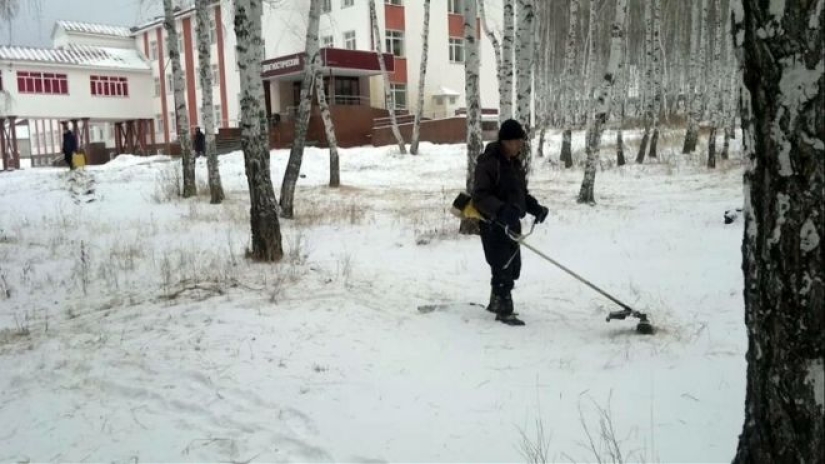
(498, 250)
(68, 158)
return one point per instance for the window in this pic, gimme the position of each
(395, 43)
(346, 3)
(157, 86)
(158, 123)
(45, 83)
(456, 50)
(173, 123)
(455, 7)
(349, 40)
(394, 2)
(327, 41)
(399, 96)
(109, 86)
(217, 120)
(215, 75)
(213, 31)
(326, 6)
(153, 50)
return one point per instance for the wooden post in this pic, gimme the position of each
(3, 142)
(15, 154)
(153, 150)
(86, 137)
(119, 138)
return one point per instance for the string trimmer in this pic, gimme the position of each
(463, 207)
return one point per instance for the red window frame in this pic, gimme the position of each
(109, 86)
(42, 83)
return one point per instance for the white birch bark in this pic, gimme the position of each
(388, 101)
(698, 33)
(715, 98)
(205, 74)
(491, 36)
(419, 111)
(783, 252)
(596, 123)
(472, 67)
(570, 85)
(524, 81)
(296, 153)
(182, 116)
(263, 209)
(508, 40)
(648, 85)
(658, 77)
(329, 128)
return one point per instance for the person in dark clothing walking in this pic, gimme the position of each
(500, 194)
(200, 143)
(69, 145)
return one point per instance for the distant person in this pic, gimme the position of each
(200, 143)
(69, 145)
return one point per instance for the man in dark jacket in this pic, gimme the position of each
(500, 194)
(200, 143)
(69, 145)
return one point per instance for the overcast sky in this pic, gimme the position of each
(34, 27)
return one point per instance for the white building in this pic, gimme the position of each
(84, 52)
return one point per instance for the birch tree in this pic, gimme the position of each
(657, 75)
(648, 81)
(715, 89)
(497, 51)
(182, 116)
(524, 89)
(204, 28)
(263, 209)
(296, 153)
(472, 67)
(425, 38)
(569, 63)
(508, 39)
(329, 128)
(388, 100)
(602, 107)
(698, 32)
(783, 257)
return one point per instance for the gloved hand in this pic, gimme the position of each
(541, 214)
(510, 216)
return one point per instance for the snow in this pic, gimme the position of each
(181, 350)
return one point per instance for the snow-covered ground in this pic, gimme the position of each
(133, 329)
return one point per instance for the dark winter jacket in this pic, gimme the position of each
(499, 182)
(69, 143)
(200, 142)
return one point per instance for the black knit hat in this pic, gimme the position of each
(511, 130)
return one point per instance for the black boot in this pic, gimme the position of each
(505, 313)
(495, 303)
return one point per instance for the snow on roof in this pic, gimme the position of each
(447, 92)
(78, 55)
(92, 28)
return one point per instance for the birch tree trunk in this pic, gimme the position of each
(329, 128)
(602, 109)
(508, 39)
(783, 253)
(524, 89)
(698, 32)
(625, 89)
(658, 76)
(648, 87)
(204, 28)
(182, 116)
(425, 38)
(715, 98)
(569, 62)
(296, 153)
(263, 209)
(472, 67)
(388, 100)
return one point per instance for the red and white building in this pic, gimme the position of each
(116, 82)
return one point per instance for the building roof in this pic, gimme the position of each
(78, 55)
(94, 29)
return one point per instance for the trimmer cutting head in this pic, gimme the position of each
(644, 326)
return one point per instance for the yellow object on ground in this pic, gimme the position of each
(78, 160)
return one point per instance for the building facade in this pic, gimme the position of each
(348, 59)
